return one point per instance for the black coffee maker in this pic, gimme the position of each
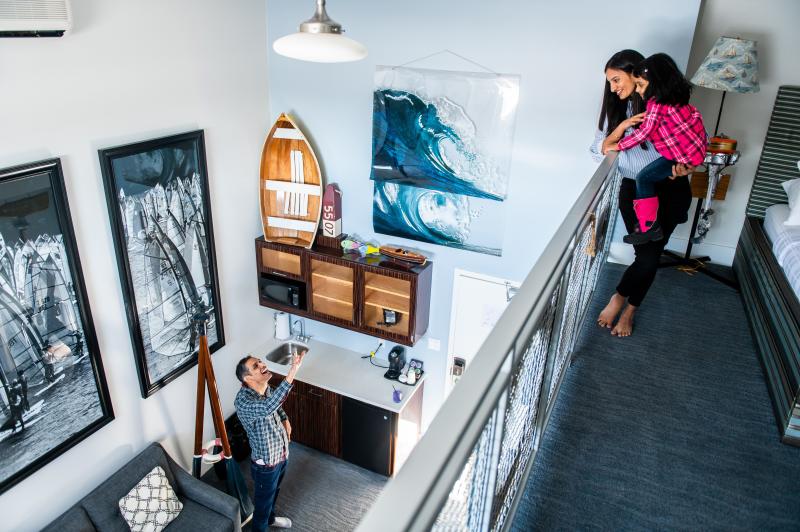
(397, 361)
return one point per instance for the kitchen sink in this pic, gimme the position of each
(282, 355)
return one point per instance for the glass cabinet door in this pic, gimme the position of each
(387, 303)
(276, 261)
(332, 289)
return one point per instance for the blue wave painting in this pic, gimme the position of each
(411, 145)
(437, 217)
(441, 155)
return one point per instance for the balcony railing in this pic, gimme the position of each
(469, 470)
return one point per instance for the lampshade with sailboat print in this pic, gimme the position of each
(731, 65)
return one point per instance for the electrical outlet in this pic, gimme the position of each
(434, 344)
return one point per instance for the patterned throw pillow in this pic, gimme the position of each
(152, 504)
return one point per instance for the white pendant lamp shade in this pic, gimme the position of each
(320, 47)
(320, 40)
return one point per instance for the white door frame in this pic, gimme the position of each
(458, 273)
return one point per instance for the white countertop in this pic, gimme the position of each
(344, 372)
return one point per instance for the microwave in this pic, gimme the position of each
(283, 291)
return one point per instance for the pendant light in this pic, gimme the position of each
(319, 39)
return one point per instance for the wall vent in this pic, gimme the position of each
(34, 18)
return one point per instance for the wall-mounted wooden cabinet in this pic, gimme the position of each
(374, 295)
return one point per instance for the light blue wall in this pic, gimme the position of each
(558, 48)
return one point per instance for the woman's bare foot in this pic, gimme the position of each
(624, 326)
(609, 314)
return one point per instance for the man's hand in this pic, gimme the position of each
(296, 361)
(288, 427)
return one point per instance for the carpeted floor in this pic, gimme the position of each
(671, 428)
(319, 492)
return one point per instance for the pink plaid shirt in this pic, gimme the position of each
(677, 133)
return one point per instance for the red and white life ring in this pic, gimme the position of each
(208, 454)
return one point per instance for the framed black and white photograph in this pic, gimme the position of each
(157, 194)
(53, 391)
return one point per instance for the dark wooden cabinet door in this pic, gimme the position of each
(292, 405)
(368, 435)
(314, 415)
(320, 420)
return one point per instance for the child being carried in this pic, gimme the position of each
(675, 129)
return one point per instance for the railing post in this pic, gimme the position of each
(552, 356)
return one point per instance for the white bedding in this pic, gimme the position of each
(785, 243)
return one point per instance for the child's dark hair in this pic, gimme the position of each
(666, 83)
(614, 110)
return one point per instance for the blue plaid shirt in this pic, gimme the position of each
(261, 417)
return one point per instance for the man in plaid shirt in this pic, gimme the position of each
(268, 429)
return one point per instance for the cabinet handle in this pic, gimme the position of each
(316, 394)
(385, 417)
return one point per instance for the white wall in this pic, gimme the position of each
(745, 117)
(132, 71)
(559, 49)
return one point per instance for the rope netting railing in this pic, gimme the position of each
(469, 469)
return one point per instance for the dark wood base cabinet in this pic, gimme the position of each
(368, 436)
(357, 432)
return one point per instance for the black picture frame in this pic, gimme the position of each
(53, 390)
(158, 203)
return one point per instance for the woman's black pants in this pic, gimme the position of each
(639, 276)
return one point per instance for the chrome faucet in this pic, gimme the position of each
(302, 336)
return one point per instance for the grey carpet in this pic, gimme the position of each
(671, 428)
(319, 492)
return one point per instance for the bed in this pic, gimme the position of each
(767, 265)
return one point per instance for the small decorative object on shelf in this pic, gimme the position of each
(291, 186)
(354, 244)
(332, 211)
(389, 317)
(403, 254)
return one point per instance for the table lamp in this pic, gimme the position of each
(730, 66)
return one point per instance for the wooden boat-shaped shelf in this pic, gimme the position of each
(290, 186)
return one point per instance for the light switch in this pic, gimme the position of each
(434, 344)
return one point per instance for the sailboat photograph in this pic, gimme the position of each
(157, 193)
(52, 388)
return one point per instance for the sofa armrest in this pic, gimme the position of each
(208, 496)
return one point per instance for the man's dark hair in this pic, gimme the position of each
(242, 370)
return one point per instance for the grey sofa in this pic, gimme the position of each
(204, 507)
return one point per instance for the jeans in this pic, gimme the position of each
(267, 481)
(651, 174)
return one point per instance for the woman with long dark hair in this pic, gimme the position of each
(621, 110)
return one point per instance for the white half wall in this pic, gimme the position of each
(558, 48)
(132, 71)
